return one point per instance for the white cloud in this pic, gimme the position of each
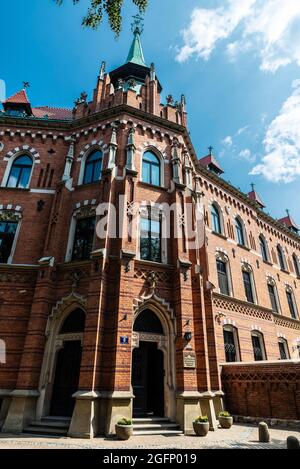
(227, 142)
(242, 130)
(247, 155)
(281, 162)
(269, 27)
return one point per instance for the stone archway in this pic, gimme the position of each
(57, 338)
(154, 342)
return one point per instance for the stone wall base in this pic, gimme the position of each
(22, 409)
(84, 423)
(272, 422)
(113, 407)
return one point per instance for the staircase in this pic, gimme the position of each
(49, 426)
(155, 426)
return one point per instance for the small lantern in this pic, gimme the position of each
(188, 336)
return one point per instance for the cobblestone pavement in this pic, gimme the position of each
(240, 436)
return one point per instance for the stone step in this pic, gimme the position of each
(149, 420)
(45, 431)
(156, 426)
(51, 423)
(158, 432)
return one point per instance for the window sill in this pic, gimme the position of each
(89, 184)
(152, 186)
(268, 263)
(242, 246)
(27, 189)
(285, 271)
(220, 235)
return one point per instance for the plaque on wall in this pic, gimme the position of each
(189, 360)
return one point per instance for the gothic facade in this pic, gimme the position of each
(112, 305)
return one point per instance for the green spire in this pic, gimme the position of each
(136, 54)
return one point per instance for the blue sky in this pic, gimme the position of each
(237, 62)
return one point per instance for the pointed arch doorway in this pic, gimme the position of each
(62, 363)
(152, 370)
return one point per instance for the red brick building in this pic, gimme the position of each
(112, 305)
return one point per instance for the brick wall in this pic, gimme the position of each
(270, 390)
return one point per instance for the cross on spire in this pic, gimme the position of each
(253, 186)
(210, 149)
(26, 85)
(288, 212)
(137, 25)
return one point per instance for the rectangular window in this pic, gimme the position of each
(7, 236)
(150, 239)
(248, 286)
(291, 305)
(223, 278)
(230, 349)
(84, 237)
(273, 298)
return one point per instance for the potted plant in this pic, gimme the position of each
(201, 426)
(124, 429)
(225, 419)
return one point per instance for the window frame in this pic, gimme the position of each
(218, 215)
(220, 257)
(93, 164)
(282, 340)
(89, 152)
(9, 168)
(14, 218)
(160, 165)
(157, 214)
(271, 283)
(240, 230)
(281, 258)
(260, 336)
(234, 331)
(290, 294)
(296, 265)
(263, 242)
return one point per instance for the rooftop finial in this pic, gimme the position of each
(102, 70)
(210, 149)
(26, 85)
(288, 212)
(253, 186)
(137, 25)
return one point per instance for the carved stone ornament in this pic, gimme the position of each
(221, 256)
(9, 215)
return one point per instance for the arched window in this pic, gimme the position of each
(75, 322)
(216, 219)
(281, 258)
(283, 349)
(273, 294)
(296, 265)
(93, 167)
(9, 226)
(231, 343)
(291, 302)
(258, 346)
(151, 171)
(20, 172)
(240, 232)
(263, 248)
(248, 281)
(223, 272)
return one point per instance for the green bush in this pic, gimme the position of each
(125, 422)
(202, 419)
(224, 414)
